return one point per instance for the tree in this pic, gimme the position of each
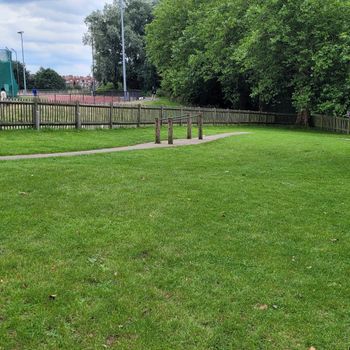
(48, 79)
(105, 37)
(19, 76)
(255, 54)
(300, 49)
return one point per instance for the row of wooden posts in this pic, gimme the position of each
(170, 122)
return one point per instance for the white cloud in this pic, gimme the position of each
(53, 31)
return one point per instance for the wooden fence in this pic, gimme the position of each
(336, 124)
(38, 114)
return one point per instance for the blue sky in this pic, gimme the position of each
(53, 31)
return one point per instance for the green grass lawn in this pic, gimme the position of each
(162, 101)
(52, 140)
(242, 243)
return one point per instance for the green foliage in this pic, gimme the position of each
(48, 79)
(261, 54)
(162, 101)
(18, 74)
(104, 34)
(107, 87)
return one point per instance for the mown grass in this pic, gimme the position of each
(162, 101)
(55, 140)
(238, 244)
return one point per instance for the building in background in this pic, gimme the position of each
(79, 82)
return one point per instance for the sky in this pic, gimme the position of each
(53, 31)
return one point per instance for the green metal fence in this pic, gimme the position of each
(7, 78)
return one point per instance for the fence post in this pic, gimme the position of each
(189, 128)
(200, 126)
(139, 116)
(161, 115)
(111, 116)
(36, 115)
(348, 132)
(157, 129)
(77, 116)
(181, 115)
(170, 131)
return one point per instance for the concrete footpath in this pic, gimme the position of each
(164, 144)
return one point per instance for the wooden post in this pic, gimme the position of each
(348, 132)
(170, 131)
(161, 115)
(189, 128)
(181, 115)
(157, 129)
(139, 116)
(36, 115)
(77, 116)
(111, 116)
(200, 126)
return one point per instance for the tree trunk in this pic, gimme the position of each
(303, 118)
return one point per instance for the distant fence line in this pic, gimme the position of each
(44, 114)
(82, 97)
(38, 114)
(336, 124)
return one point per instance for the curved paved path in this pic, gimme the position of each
(164, 144)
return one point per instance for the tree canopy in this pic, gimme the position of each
(104, 34)
(48, 79)
(263, 54)
(18, 74)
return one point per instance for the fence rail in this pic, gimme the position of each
(37, 114)
(337, 124)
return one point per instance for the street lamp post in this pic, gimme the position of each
(16, 64)
(93, 64)
(24, 66)
(121, 2)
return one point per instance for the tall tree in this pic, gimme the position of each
(257, 53)
(105, 37)
(18, 74)
(48, 79)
